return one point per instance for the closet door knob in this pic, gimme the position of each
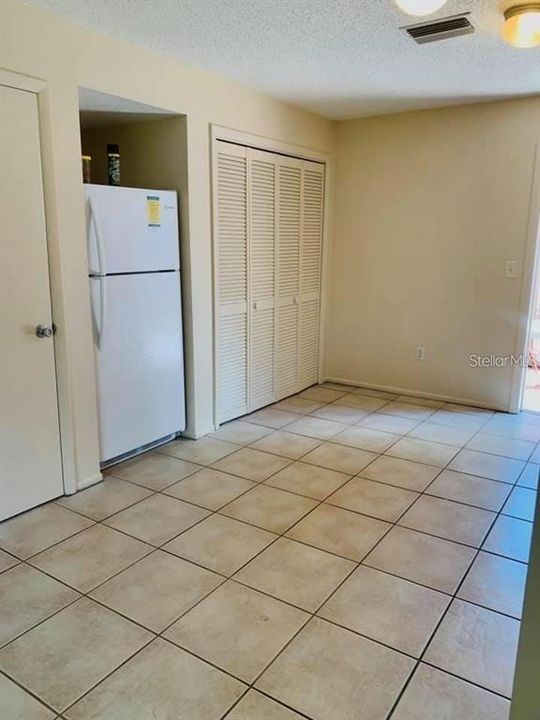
(44, 331)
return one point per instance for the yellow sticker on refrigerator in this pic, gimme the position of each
(153, 211)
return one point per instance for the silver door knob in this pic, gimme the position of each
(44, 331)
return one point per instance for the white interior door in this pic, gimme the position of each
(232, 278)
(262, 180)
(31, 469)
(288, 275)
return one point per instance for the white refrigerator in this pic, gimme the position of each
(134, 267)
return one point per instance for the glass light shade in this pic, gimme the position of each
(522, 26)
(419, 7)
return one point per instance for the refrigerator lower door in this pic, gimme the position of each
(139, 359)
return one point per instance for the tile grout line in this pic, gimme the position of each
(262, 692)
(480, 429)
(368, 413)
(32, 694)
(317, 610)
(459, 448)
(151, 551)
(326, 599)
(331, 439)
(439, 623)
(160, 635)
(154, 548)
(374, 517)
(115, 612)
(454, 595)
(250, 524)
(300, 459)
(311, 614)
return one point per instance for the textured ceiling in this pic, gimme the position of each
(339, 58)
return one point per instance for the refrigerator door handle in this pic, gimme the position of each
(100, 250)
(99, 325)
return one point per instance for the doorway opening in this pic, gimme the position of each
(525, 394)
(530, 399)
(531, 390)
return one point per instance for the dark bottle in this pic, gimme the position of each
(113, 164)
(87, 176)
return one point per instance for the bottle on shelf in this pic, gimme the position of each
(86, 170)
(113, 164)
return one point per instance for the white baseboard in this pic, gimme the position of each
(89, 481)
(417, 393)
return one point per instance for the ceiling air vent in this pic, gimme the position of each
(442, 29)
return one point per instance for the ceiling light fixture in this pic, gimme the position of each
(419, 7)
(522, 25)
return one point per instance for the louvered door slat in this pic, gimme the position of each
(288, 240)
(287, 350)
(311, 230)
(232, 366)
(262, 236)
(262, 358)
(308, 361)
(262, 208)
(232, 228)
(232, 277)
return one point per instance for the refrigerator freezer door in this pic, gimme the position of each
(131, 230)
(139, 364)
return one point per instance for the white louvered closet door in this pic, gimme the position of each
(231, 280)
(262, 172)
(289, 200)
(269, 224)
(310, 273)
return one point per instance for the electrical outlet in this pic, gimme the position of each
(420, 352)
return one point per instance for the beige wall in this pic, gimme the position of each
(428, 206)
(151, 151)
(67, 56)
